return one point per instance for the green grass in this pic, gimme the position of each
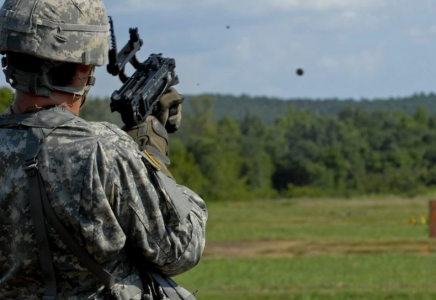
(316, 219)
(338, 249)
(295, 278)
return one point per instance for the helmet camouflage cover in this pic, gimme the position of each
(73, 31)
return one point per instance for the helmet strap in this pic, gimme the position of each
(40, 83)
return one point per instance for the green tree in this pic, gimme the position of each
(6, 98)
(257, 165)
(184, 168)
(98, 109)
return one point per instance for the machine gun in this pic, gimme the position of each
(139, 95)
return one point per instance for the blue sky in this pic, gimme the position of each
(348, 48)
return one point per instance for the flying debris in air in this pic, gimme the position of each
(228, 26)
(300, 72)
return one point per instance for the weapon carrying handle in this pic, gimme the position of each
(118, 60)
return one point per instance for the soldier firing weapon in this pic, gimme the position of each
(138, 96)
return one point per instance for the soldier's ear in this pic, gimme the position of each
(82, 75)
(83, 69)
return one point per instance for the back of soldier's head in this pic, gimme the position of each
(50, 35)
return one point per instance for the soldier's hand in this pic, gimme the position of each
(152, 138)
(169, 111)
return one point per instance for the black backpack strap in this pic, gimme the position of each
(71, 243)
(35, 138)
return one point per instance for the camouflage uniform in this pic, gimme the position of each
(110, 198)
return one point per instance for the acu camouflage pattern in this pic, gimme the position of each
(75, 31)
(107, 195)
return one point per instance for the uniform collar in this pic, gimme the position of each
(54, 108)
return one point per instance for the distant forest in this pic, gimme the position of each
(268, 109)
(243, 148)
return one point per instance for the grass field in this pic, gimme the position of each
(316, 249)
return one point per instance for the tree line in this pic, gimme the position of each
(300, 153)
(269, 109)
(304, 153)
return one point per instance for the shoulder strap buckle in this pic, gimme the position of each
(30, 166)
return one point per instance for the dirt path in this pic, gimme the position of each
(286, 248)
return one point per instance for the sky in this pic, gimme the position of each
(347, 48)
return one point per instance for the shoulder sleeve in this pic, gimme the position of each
(163, 221)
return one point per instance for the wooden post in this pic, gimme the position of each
(432, 219)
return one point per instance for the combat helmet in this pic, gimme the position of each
(59, 31)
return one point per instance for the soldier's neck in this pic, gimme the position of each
(25, 102)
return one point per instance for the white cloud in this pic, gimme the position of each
(194, 74)
(325, 4)
(423, 35)
(244, 49)
(348, 15)
(243, 7)
(356, 65)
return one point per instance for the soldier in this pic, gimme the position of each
(111, 192)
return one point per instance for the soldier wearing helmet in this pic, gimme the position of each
(116, 201)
